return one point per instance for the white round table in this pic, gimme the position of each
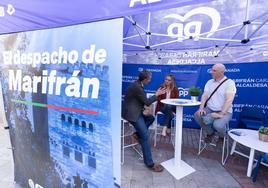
(177, 167)
(248, 138)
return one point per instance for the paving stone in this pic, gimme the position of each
(185, 182)
(163, 178)
(141, 183)
(204, 178)
(220, 170)
(6, 184)
(6, 171)
(252, 186)
(195, 162)
(163, 183)
(125, 183)
(127, 171)
(226, 180)
(145, 176)
(210, 163)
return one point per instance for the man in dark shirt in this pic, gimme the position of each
(133, 107)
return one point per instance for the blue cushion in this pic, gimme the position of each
(161, 119)
(265, 158)
(252, 124)
(252, 113)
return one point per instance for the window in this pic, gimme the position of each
(66, 151)
(78, 156)
(76, 122)
(70, 119)
(90, 126)
(91, 161)
(62, 117)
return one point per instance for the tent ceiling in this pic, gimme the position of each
(217, 24)
(26, 15)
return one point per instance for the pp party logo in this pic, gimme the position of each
(185, 30)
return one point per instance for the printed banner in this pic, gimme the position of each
(251, 81)
(61, 89)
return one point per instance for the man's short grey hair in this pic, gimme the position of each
(220, 67)
(144, 75)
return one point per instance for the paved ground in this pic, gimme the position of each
(209, 171)
(6, 161)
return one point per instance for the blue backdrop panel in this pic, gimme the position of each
(59, 89)
(251, 82)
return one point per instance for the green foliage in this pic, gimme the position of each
(263, 130)
(194, 91)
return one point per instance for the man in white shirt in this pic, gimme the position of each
(216, 114)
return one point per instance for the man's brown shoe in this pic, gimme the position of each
(156, 168)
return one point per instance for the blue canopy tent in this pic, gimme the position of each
(242, 28)
(25, 15)
(188, 39)
(191, 38)
(56, 140)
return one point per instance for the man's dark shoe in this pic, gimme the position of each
(221, 140)
(135, 138)
(215, 140)
(6, 127)
(208, 138)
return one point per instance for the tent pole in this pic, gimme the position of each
(134, 45)
(259, 16)
(134, 23)
(148, 29)
(227, 44)
(260, 37)
(247, 18)
(130, 37)
(258, 29)
(220, 39)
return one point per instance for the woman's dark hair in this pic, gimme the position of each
(144, 75)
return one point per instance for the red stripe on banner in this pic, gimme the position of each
(92, 112)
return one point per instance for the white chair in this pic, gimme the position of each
(127, 130)
(158, 128)
(225, 145)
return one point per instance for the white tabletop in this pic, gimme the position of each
(180, 102)
(249, 138)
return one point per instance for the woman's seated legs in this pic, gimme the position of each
(167, 110)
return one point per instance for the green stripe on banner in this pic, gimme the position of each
(92, 112)
(29, 103)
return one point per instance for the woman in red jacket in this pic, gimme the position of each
(171, 92)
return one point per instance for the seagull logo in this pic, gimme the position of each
(10, 9)
(193, 28)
